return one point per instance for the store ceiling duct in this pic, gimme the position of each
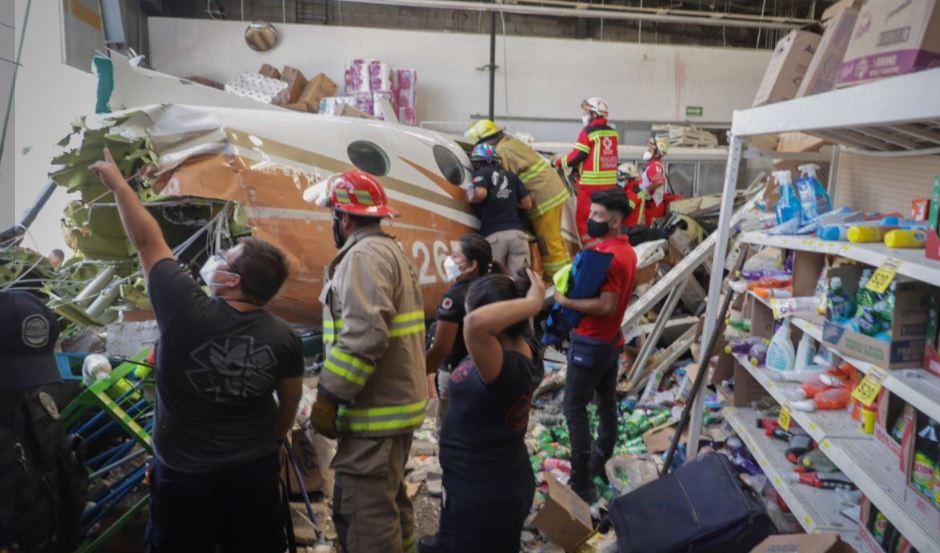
(582, 11)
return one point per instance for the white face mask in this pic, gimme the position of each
(451, 269)
(585, 118)
(210, 269)
(647, 155)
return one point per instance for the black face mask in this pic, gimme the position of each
(337, 237)
(596, 229)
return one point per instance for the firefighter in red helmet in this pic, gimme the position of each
(372, 391)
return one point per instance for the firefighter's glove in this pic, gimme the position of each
(323, 417)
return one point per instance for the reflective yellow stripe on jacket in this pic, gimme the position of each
(348, 367)
(331, 330)
(377, 420)
(552, 203)
(533, 171)
(407, 323)
(598, 178)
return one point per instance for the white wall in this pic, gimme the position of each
(49, 96)
(547, 78)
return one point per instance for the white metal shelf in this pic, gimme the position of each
(915, 386)
(817, 510)
(819, 424)
(913, 262)
(876, 474)
(898, 113)
(872, 468)
(893, 115)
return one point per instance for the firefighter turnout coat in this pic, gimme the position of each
(373, 335)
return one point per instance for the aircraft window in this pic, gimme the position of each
(368, 157)
(449, 165)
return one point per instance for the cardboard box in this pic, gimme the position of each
(890, 409)
(839, 7)
(865, 516)
(932, 250)
(599, 542)
(908, 329)
(928, 510)
(296, 82)
(799, 142)
(318, 88)
(931, 359)
(270, 71)
(345, 110)
(299, 106)
(823, 70)
(310, 469)
(565, 518)
(803, 543)
(892, 37)
(788, 64)
(659, 439)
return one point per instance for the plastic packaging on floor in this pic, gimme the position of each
(628, 472)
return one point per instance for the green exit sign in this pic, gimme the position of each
(694, 111)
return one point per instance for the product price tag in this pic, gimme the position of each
(867, 391)
(878, 374)
(785, 307)
(783, 420)
(881, 280)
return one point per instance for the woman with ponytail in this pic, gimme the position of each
(472, 258)
(488, 483)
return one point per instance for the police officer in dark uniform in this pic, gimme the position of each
(43, 481)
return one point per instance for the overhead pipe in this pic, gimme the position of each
(707, 19)
(663, 11)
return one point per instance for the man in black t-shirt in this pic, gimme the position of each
(221, 360)
(496, 199)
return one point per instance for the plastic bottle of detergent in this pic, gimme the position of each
(805, 351)
(905, 238)
(788, 206)
(780, 353)
(925, 457)
(814, 200)
(839, 305)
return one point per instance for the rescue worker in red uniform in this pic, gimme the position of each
(628, 178)
(595, 157)
(653, 182)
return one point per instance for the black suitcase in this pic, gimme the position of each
(702, 507)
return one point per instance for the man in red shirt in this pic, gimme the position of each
(595, 345)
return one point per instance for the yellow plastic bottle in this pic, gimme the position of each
(904, 238)
(867, 234)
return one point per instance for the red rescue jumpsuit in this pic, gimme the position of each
(595, 154)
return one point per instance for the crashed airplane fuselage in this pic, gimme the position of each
(261, 161)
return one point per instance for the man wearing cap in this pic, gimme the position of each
(372, 392)
(221, 360)
(43, 482)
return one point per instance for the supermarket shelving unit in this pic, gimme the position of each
(891, 118)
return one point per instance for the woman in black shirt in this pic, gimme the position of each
(472, 257)
(488, 481)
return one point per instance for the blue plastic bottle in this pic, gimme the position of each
(788, 207)
(814, 200)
